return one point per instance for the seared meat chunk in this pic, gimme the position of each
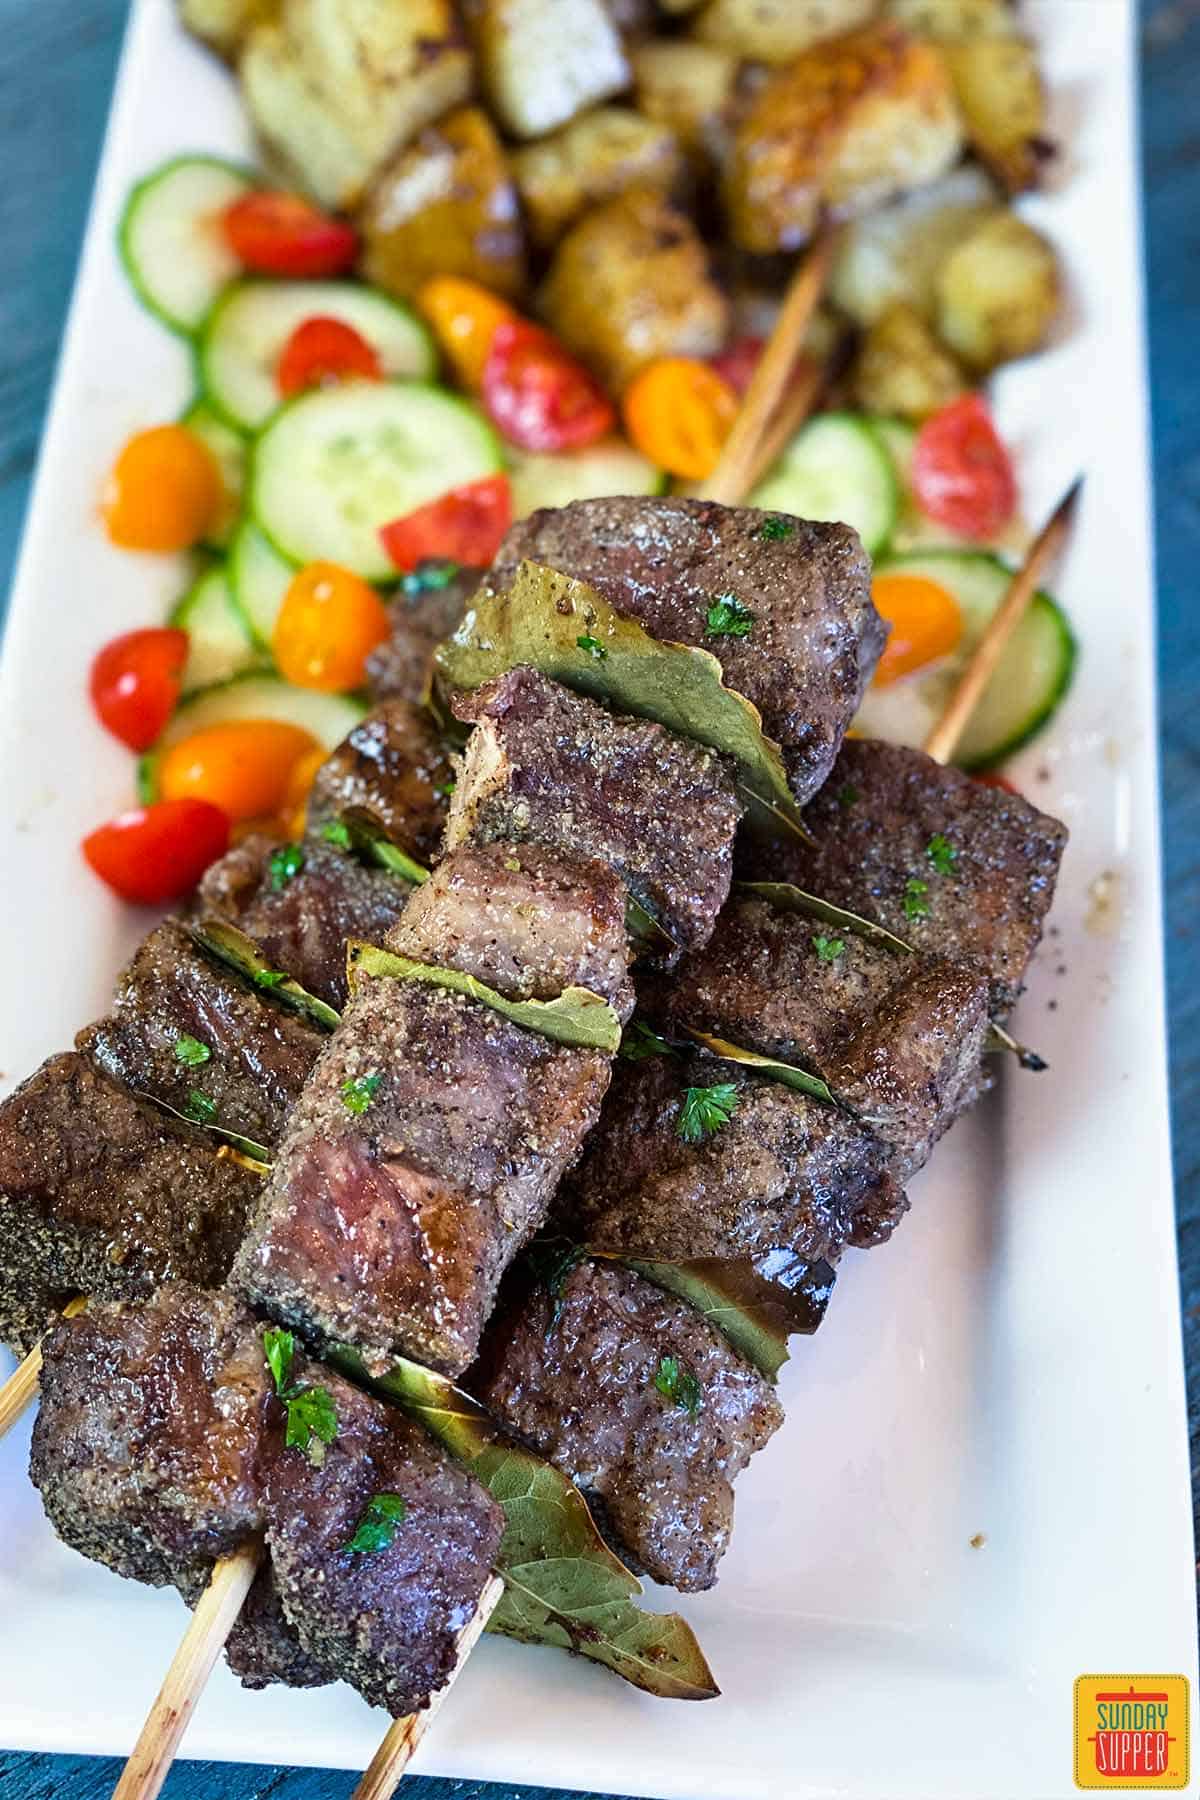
(394, 766)
(183, 1025)
(426, 609)
(103, 1194)
(783, 1173)
(636, 1397)
(302, 927)
(952, 867)
(815, 636)
(897, 1038)
(549, 766)
(524, 920)
(263, 1647)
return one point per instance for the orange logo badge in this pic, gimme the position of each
(1131, 1731)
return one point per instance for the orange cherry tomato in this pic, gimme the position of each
(466, 525)
(679, 411)
(464, 317)
(322, 349)
(284, 234)
(158, 853)
(328, 625)
(164, 491)
(299, 787)
(925, 620)
(243, 766)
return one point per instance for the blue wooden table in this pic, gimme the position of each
(57, 59)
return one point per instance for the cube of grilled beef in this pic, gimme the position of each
(102, 1193)
(263, 1648)
(638, 1398)
(395, 766)
(898, 1039)
(423, 613)
(548, 766)
(185, 1026)
(815, 636)
(526, 921)
(302, 926)
(954, 868)
(783, 1173)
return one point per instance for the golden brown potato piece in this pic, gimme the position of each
(543, 61)
(895, 253)
(631, 282)
(600, 154)
(949, 21)
(998, 293)
(1003, 103)
(775, 31)
(687, 87)
(842, 128)
(902, 370)
(335, 87)
(446, 205)
(225, 24)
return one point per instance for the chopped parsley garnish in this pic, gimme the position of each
(432, 573)
(639, 1043)
(446, 788)
(829, 949)
(676, 1383)
(335, 832)
(593, 646)
(311, 1414)
(377, 1527)
(552, 1261)
(190, 1051)
(847, 795)
(705, 1110)
(775, 529)
(285, 862)
(727, 617)
(269, 978)
(916, 906)
(200, 1108)
(358, 1091)
(279, 1347)
(941, 853)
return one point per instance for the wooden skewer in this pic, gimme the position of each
(799, 398)
(943, 739)
(18, 1391)
(202, 1643)
(389, 1763)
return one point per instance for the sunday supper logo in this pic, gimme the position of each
(1131, 1731)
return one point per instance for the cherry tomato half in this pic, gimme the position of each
(993, 779)
(164, 491)
(322, 350)
(158, 853)
(464, 316)
(241, 767)
(926, 624)
(539, 396)
(679, 412)
(467, 525)
(283, 234)
(135, 683)
(328, 625)
(962, 475)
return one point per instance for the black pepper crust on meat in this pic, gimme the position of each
(816, 636)
(401, 667)
(395, 766)
(873, 826)
(580, 1375)
(103, 1194)
(548, 766)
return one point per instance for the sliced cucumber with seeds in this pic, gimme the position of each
(835, 468)
(219, 645)
(1029, 684)
(230, 449)
(610, 467)
(244, 337)
(260, 578)
(171, 238)
(328, 717)
(337, 464)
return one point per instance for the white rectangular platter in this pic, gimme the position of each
(1008, 1369)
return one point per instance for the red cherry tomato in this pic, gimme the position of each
(284, 234)
(135, 683)
(467, 525)
(962, 476)
(539, 396)
(158, 853)
(738, 361)
(322, 350)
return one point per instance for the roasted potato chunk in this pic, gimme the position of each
(225, 24)
(543, 61)
(949, 21)
(1003, 103)
(446, 205)
(998, 293)
(335, 87)
(600, 154)
(895, 253)
(775, 31)
(902, 370)
(687, 87)
(842, 128)
(631, 282)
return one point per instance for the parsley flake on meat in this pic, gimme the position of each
(773, 530)
(705, 1110)
(847, 795)
(552, 1261)
(200, 1108)
(285, 863)
(358, 1091)
(828, 949)
(311, 1414)
(727, 617)
(676, 1383)
(377, 1527)
(593, 646)
(433, 573)
(639, 1043)
(335, 832)
(269, 978)
(190, 1051)
(941, 853)
(916, 906)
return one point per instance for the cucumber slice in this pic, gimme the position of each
(248, 327)
(611, 467)
(170, 237)
(230, 450)
(329, 717)
(1029, 684)
(835, 468)
(337, 464)
(219, 645)
(260, 578)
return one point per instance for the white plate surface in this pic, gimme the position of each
(1010, 1366)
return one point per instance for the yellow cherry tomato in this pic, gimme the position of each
(679, 411)
(328, 625)
(164, 491)
(464, 317)
(243, 766)
(926, 624)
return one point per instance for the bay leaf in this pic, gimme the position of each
(242, 954)
(248, 1152)
(787, 898)
(366, 837)
(787, 1074)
